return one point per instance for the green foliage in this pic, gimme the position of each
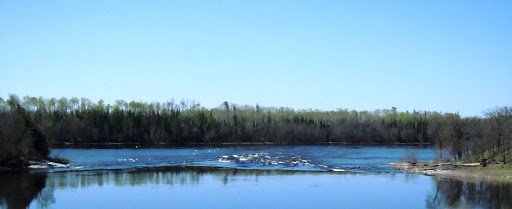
(20, 138)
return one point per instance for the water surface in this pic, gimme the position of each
(304, 158)
(244, 177)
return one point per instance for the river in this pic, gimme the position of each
(245, 177)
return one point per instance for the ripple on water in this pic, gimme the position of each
(267, 159)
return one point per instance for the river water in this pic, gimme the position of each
(244, 177)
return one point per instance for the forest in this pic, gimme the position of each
(30, 124)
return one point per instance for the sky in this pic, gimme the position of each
(436, 55)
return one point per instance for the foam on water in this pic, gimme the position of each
(262, 158)
(275, 160)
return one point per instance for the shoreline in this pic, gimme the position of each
(460, 171)
(223, 144)
(472, 172)
(32, 165)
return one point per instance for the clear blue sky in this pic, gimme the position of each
(426, 55)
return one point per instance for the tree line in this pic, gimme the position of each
(81, 121)
(21, 140)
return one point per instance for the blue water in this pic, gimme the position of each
(233, 190)
(302, 158)
(245, 177)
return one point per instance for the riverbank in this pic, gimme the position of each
(460, 171)
(29, 165)
(221, 144)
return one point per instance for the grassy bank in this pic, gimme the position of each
(461, 171)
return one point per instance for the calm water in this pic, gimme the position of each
(244, 177)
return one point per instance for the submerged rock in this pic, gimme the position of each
(266, 159)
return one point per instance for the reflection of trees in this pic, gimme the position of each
(451, 193)
(167, 176)
(18, 190)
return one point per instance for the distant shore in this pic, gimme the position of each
(223, 144)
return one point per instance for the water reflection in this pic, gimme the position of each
(449, 193)
(40, 190)
(158, 176)
(18, 190)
